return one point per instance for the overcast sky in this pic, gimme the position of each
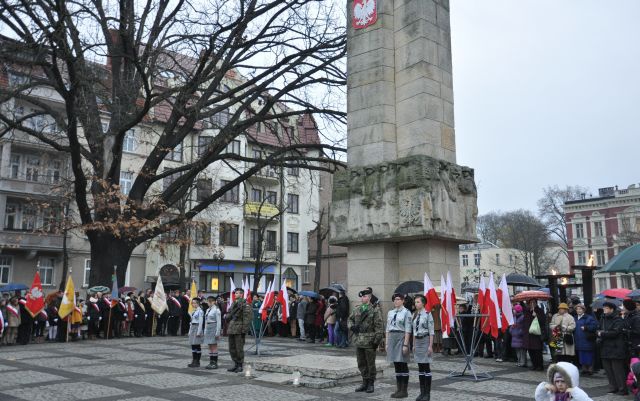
(546, 93)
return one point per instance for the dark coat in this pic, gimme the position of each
(580, 335)
(531, 341)
(632, 326)
(613, 345)
(310, 313)
(342, 312)
(517, 331)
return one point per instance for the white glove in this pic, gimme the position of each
(55, 320)
(124, 314)
(135, 315)
(88, 317)
(100, 318)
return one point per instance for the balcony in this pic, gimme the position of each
(259, 210)
(249, 252)
(18, 186)
(30, 240)
(267, 176)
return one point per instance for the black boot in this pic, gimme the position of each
(234, 368)
(404, 384)
(427, 389)
(398, 387)
(370, 386)
(362, 387)
(194, 362)
(422, 386)
(239, 368)
(213, 362)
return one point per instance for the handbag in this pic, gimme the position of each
(568, 338)
(535, 327)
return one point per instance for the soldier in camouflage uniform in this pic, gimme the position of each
(239, 319)
(368, 329)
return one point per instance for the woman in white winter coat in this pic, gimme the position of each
(563, 383)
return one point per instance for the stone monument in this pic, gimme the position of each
(403, 205)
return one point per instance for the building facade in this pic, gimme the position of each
(601, 227)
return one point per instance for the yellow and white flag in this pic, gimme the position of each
(194, 293)
(68, 300)
(159, 300)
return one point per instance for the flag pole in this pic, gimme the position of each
(115, 267)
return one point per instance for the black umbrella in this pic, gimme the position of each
(292, 290)
(327, 291)
(521, 280)
(410, 287)
(598, 303)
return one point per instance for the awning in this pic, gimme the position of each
(236, 268)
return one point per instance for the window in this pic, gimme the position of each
(271, 241)
(29, 217)
(220, 119)
(203, 233)
(603, 283)
(624, 281)
(293, 171)
(511, 260)
(465, 260)
(597, 228)
(257, 154)
(256, 195)
(51, 218)
(15, 166)
(232, 195)
(203, 189)
(233, 147)
(105, 127)
(130, 144)
(10, 216)
(126, 181)
(228, 234)
(290, 278)
(170, 179)
(305, 275)
(600, 260)
(175, 154)
(16, 79)
(476, 259)
(46, 270)
(292, 242)
(271, 197)
(582, 258)
(203, 144)
(33, 168)
(497, 258)
(5, 269)
(292, 203)
(579, 230)
(87, 272)
(253, 246)
(53, 171)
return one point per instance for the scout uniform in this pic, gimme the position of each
(423, 331)
(399, 327)
(196, 329)
(366, 324)
(212, 330)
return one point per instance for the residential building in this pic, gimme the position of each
(601, 227)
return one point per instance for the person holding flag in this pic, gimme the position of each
(238, 319)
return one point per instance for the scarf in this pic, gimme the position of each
(563, 396)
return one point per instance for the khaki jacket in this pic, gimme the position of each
(369, 327)
(239, 317)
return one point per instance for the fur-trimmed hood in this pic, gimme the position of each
(571, 377)
(567, 370)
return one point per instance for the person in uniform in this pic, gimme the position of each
(119, 315)
(52, 312)
(184, 303)
(13, 321)
(365, 322)
(239, 320)
(196, 330)
(212, 331)
(93, 318)
(398, 341)
(423, 333)
(25, 329)
(161, 321)
(139, 316)
(175, 311)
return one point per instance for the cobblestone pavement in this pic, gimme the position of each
(148, 369)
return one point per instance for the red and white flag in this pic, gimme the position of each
(232, 294)
(1, 323)
(483, 307)
(35, 297)
(452, 301)
(444, 301)
(430, 293)
(494, 308)
(268, 301)
(505, 303)
(283, 298)
(247, 290)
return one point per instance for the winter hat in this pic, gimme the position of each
(567, 370)
(629, 305)
(92, 299)
(563, 306)
(517, 308)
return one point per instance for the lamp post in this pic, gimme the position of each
(552, 278)
(218, 257)
(587, 281)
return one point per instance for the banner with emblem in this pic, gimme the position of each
(35, 297)
(68, 299)
(159, 300)
(365, 13)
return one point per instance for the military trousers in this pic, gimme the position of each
(236, 347)
(367, 362)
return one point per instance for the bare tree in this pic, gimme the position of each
(551, 210)
(489, 227)
(170, 70)
(320, 232)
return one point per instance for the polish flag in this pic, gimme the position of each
(247, 290)
(444, 301)
(283, 298)
(483, 307)
(1, 323)
(452, 301)
(430, 293)
(268, 301)
(494, 308)
(505, 303)
(232, 295)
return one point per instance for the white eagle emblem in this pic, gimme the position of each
(365, 13)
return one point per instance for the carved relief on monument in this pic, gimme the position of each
(413, 197)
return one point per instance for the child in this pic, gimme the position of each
(562, 386)
(632, 377)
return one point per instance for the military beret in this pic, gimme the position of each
(364, 292)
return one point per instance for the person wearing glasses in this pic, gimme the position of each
(398, 343)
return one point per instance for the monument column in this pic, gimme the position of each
(403, 206)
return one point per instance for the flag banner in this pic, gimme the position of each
(194, 293)
(159, 300)
(505, 304)
(451, 312)
(430, 293)
(283, 298)
(483, 307)
(268, 301)
(444, 300)
(68, 299)
(494, 308)
(114, 291)
(232, 294)
(35, 297)
(76, 315)
(247, 290)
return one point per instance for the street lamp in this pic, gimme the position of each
(218, 257)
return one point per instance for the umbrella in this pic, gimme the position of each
(527, 295)
(598, 303)
(13, 287)
(327, 291)
(616, 292)
(521, 280)
(309, 294)
(98, 288)
(410, 287)
(635, 294)
(289, 289)
(125, 290)
(627, 261)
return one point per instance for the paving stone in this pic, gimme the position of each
(144, 399)
(245, 392)
(169, 380)
(131, 356)
(15, 378)
(59, 362)
(314, 365)
(4, 368)
(17, 355)
(107, 370)
(65, 392)
(275, 378)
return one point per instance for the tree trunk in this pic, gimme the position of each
(65, 250)
(316, 278)
(108, 251)
(183, 233)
